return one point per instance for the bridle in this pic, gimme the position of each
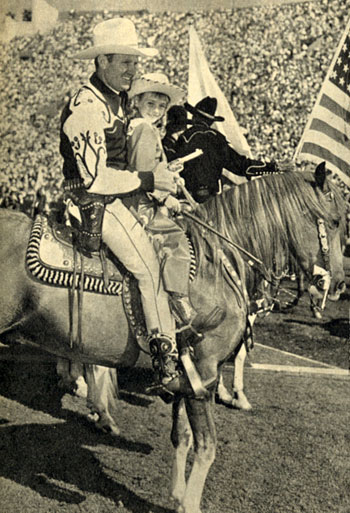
(321, 276)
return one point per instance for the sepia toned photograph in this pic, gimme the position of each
(175, 256)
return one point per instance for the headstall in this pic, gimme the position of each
(321, 276)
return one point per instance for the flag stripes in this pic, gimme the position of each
(327, 134)
(325, 155)
(335, 108)
(321, 126)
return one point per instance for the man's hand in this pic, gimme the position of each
(164, 180)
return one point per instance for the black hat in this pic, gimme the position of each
(205, 108)
(177, 119)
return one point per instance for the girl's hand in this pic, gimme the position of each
(175, 166)
(173, 205)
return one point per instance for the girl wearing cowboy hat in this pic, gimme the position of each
(152, 95)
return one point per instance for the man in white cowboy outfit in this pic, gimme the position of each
(202, 175)
(93, 146)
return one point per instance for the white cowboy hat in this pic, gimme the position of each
(118, 36)
(156, 83)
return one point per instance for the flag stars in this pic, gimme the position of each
(339, 61)
(334, 74)
(346, 67)
(341, 81)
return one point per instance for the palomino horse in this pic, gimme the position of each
(273, 215)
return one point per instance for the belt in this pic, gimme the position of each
(73, 184)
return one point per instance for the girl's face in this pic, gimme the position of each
(152, 106)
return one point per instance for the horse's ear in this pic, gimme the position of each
(320, 175)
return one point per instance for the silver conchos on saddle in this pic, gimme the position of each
(50, 259)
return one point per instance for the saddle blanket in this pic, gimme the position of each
(50, 258)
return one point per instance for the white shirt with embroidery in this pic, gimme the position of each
(85, 128)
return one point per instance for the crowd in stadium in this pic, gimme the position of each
(269, 62)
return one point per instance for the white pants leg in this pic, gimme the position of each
(127, 239)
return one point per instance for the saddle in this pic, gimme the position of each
(50, 259)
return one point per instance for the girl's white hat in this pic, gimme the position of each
(118, 36)
(156, 83)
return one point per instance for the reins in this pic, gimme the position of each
(252, 261)
(322, 276)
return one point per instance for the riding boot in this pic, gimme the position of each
(165, 357)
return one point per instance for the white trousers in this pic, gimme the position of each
(129, 242)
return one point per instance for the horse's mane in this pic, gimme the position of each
(267, 217)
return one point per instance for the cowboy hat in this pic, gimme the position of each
(115, 36)
(205, 108)
(177, 119)
(156, 83)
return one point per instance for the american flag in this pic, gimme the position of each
(327, 133)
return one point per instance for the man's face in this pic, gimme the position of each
(118, 72)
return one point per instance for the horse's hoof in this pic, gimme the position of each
(108, 429)
(226, 400)
(66, 386)
(241, 404)
(105, 426)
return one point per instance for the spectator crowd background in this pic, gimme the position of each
(269, 62)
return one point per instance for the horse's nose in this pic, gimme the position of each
(338, 291)
(341, 287)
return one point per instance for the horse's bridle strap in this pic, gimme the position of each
(323, 238)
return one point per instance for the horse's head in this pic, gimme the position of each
(327, 276)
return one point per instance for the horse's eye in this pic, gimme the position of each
(336, 223)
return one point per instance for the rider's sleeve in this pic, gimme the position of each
(236, 163)
(85, 131)
(144, 149)
(244, 166)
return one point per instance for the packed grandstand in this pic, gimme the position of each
(270, 63)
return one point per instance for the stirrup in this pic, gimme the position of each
(165, 357)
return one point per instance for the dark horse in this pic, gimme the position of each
(271, 216)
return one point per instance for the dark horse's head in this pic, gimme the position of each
(291, 217)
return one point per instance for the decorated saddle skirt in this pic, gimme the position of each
(50, 259)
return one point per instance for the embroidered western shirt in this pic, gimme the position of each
(93, 142)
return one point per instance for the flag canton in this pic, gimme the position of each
(340, 74)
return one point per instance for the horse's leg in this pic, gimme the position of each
(240, 400)
(102, 396)
(181, 438)
(200, 415)
(71, 376)
(222, 394)
(63, 372)
(77, 371)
